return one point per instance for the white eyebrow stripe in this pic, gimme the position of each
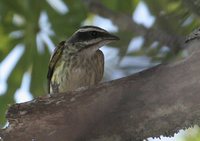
(90, 29)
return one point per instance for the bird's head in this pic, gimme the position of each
(90, 38)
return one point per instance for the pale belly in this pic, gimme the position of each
(64, 80)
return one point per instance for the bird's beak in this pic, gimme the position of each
(111, 37)
(105, 39)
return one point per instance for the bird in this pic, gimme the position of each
(78, 62)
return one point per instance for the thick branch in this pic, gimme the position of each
(155, 102)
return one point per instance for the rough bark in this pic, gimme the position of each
(157, 101)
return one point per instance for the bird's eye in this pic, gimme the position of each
(94, 33)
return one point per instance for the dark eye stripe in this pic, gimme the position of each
(81, 36)
(86, 36)
(94, 33)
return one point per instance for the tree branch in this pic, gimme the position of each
(155, 102)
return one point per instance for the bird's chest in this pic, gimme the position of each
(83, 72)
(77, 72)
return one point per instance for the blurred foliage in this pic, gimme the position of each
(193, 137)
(172, 17)
(192, 134)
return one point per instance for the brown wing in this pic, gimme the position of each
(53, 60)
(100, 61)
